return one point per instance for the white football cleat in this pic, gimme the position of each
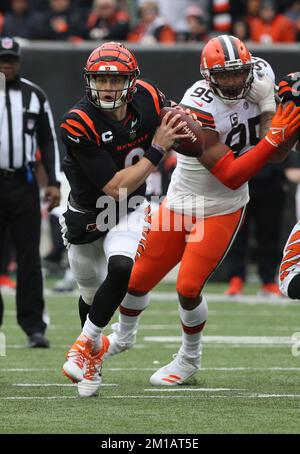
(117, 344)
(92, 379)
(176, 372)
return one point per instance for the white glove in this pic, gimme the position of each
(262, 93)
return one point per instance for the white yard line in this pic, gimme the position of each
(249, 340)
(38, 398)
(231, 396)
(191, 389)
(27, 370)
(219, 298)
(256, 396)
(172, 296)
(146, 369)
(46, 385)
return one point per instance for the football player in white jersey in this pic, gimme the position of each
(233, 102)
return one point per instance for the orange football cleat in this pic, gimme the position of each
(6, 281)
(91, 382)
(236, 285)
(271, 289)
(77, 358)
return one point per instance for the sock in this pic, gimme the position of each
(112, 290)
(293, 290)
(193, 323)
(92, 331)
(131, 309)
(84, 309)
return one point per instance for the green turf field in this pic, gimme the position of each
(250, 381)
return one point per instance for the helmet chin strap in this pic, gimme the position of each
(228, 101)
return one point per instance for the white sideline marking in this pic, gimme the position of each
(158, 313)
(231, 369)
(256, 396)
(22, 346)
(220, 298)
(172, 296)
(38, 398)
(237, 396)
(149, 369)
(176, 340)
(142, 327)
(27, 370)
(55, 384)
(257, 340)
(179, 388)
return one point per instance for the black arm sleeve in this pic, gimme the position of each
(47, 142)
(94, 161)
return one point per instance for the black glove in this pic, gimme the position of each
(289, 89)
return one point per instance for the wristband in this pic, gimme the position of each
(154, 154)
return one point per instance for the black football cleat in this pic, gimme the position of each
(38, 340)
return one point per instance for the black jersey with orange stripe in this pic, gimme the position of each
(97, 147)
(288, 88)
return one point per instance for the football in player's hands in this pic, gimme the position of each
(192, 146)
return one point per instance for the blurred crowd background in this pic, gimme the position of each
(147, 22)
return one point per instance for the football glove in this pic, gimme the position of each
(284, 124)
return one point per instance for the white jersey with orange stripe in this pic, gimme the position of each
(193, 188)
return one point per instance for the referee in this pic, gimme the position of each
(26, 125)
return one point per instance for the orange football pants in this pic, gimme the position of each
(166, 248)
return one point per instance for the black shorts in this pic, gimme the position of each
(81, 226)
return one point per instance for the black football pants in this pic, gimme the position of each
(20, 213)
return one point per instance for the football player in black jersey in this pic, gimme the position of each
(114, 140)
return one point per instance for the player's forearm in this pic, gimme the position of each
(265, 123)
(133, 177)
(128, 179)
(283, 150)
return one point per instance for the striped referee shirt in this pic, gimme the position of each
(26, 125)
